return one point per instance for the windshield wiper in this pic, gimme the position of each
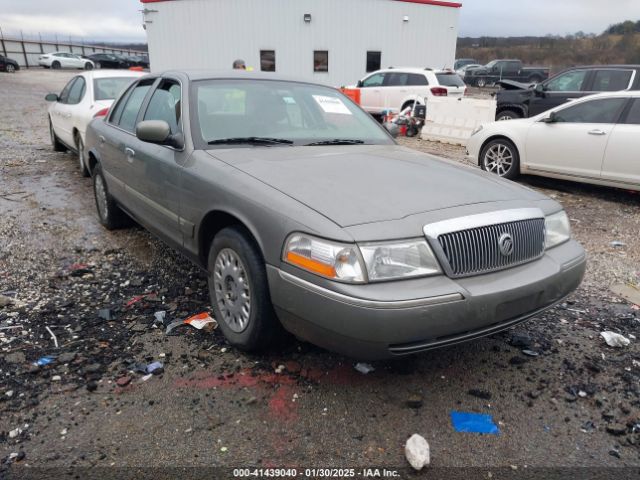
(337, 141)
(251, 141)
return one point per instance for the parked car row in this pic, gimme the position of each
(57, 60)
(246, 197)
(8, 65)
(508, 69)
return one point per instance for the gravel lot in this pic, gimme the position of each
(576, 404)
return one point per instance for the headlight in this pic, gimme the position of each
(478, 129)
(392, 261)
(558, 229)
(337, 261)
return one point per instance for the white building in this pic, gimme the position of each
(335, 42)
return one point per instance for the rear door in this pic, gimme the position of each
(58, 110)
(155, 169)
(558, 90)
(610, 80)
(575, 143)
(621, 160)
(64, 110)
(371, 97)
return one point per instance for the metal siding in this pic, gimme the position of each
(213, 33)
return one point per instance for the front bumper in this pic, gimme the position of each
(384, 320)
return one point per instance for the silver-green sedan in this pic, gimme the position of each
(307, 215)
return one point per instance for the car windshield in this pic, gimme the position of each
(261, 111)
(449, 79)
(491, 63)
(109, 88)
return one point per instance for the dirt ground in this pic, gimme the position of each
(574, 405)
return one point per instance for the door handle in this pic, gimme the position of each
(597, 132)
(102, 139)
(129, 152)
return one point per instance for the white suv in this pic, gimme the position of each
(397, 88)
(64, 60)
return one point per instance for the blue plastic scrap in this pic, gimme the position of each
(474, 423)
(41, 362)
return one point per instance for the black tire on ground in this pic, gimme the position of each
(98, 65)
(535, 79)
(55, 143)
(500, 157)
(508, 115)
(406, 105)
(109, 213)
(239, 291)
(55, 65)
(481, 82)
(88, 66)
(9, 68)
(82, 164)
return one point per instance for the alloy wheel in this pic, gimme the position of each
(498, 159)
(232, 290)
(102, 201)
(10, 68)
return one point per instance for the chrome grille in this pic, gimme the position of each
(477, 250)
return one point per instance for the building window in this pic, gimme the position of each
(320, 61)
(268, 60)
(374, 60)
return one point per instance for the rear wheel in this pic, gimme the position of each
(88, 66)
(55, 143)
(98, 65)
(10, 68)
(239, 291)
(507, 115)
(500, 156)
(81, 162)
(481, 82)
(55, 65)
(535, 79)
(109, 213)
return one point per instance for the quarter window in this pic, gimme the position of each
(611, 80)
(374, 60)
(594, 111)
(567, 82)
(268, 60)
(321, 61)
(416, 79)
(165, 105)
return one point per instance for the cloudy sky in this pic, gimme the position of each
(120, 19)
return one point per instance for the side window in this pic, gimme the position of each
(131, 107)
(594, 111)
(374, 60)
(416, 79)
(633, 116)
(165, 104)
(611, 80)
(64, 94)
(76, 93)
(397, 79)
(567, 82)
(375, 80)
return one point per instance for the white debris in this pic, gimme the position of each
(63, 432)
(417, 452)
(280, 368)
(9, 393)
(615, 339)
(582, 394)
(14, 433)
(56, 378)
(364, 368)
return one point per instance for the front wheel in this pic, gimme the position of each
(239, 290)
(88, 66)
(507, 115)
(500, 156)
(10, 68)
(109, 213)
(481, 82)
(98, 65)
(56, 65)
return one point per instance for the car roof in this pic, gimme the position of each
(619, 93)
(195, 75)
(106, 73)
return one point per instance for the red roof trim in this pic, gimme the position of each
(438, 3)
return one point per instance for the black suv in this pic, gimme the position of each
(521, 101)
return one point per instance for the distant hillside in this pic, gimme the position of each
(620, 43)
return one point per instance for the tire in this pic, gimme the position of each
(10, 68)
(98, 65)
(56, 65)
(239, 291)
(507, 115)
(84, 171)
(55, 143)
(481, 82)
(535, 79)
(406, 105)
(500, 157)
(88, 66)
(109, 213)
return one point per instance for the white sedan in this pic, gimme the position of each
(86, 96)
(594, 139)
(57, 60)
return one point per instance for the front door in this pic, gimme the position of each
(574, 144)
(621, 160)
(558, 90)
(371, 97)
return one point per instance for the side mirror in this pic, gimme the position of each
(158, 131)
(551, 118)
(52, 97)
(392, 128)
(539, 89)
(359, 84)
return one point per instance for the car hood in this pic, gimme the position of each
(354, 185)
(513, 85)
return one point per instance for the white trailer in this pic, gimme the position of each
(335, 42)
